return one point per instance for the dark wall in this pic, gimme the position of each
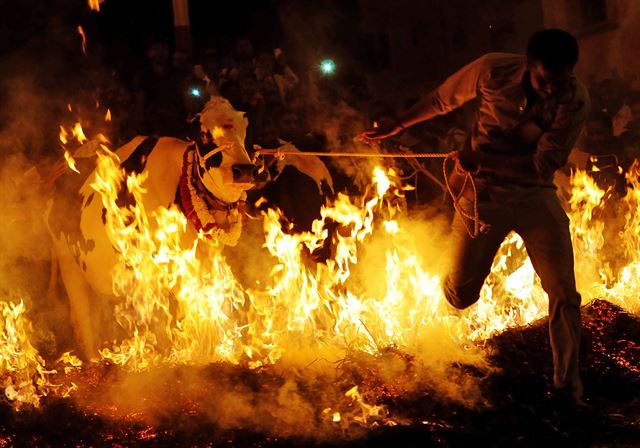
(430, 39)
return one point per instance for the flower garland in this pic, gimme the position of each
(197, 204)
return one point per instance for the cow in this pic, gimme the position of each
(207, 178)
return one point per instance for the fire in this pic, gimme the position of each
(180, 303)
(70, 161)
(219, 319)
(22, 370)
(83, 36)
(94, 5)
(77, 133)
(617, 278)
(23, 373)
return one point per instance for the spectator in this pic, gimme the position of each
(209, 71)
(284, 76)
(159, 98)
(289, 127)
(607, 96)
(265, 75)
(242, 64)
(630, 138)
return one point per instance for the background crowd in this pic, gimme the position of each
(286, 102)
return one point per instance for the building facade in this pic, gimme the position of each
(608, 32)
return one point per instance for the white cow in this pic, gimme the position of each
(207, 178)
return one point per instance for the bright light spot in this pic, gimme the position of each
(328, 67)
(195, 92)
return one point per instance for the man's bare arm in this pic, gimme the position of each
(454, 92)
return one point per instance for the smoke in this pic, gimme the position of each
(25, 154)
(39, 76)
(285, 399)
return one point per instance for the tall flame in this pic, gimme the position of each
(83, 36)
(23, 374)
(179, 301)
(94, 5)
(219, 319)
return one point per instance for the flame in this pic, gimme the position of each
(107, 116)
(25, 379)
(84, 39)
(94, 5)
(179, 302)
(611, 242)
(220, 319)
(66, 136)
(74, 133)
(70, 161)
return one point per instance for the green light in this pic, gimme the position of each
(327, 67)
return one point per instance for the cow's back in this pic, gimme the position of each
(84, 235)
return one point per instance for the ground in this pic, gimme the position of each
(519, 412)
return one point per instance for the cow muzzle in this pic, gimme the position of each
(244, 173)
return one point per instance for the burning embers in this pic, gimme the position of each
(177, 300)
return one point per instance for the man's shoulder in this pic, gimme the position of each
(498, 68)
(499, 57)
(502, 60)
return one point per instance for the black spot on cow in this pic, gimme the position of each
(296, 195)
(84, 266)
(205, 144)
(136, 162)
(214, 161)
(103, 216)
(87, 201)
(91, 244)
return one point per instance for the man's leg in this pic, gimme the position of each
(473, 257)
(544, 227)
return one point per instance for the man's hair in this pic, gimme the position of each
(555, 49)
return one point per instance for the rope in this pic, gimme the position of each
(420, 155)
(478, 227)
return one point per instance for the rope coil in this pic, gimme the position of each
(478, 227)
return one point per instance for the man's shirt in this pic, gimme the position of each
(508, 121)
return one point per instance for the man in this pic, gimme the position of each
(530, 111)
(159, 98)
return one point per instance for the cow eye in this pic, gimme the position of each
(227, 127)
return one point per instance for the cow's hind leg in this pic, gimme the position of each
(79, 292)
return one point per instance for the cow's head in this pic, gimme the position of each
(223, 164)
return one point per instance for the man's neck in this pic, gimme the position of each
(530, 93)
